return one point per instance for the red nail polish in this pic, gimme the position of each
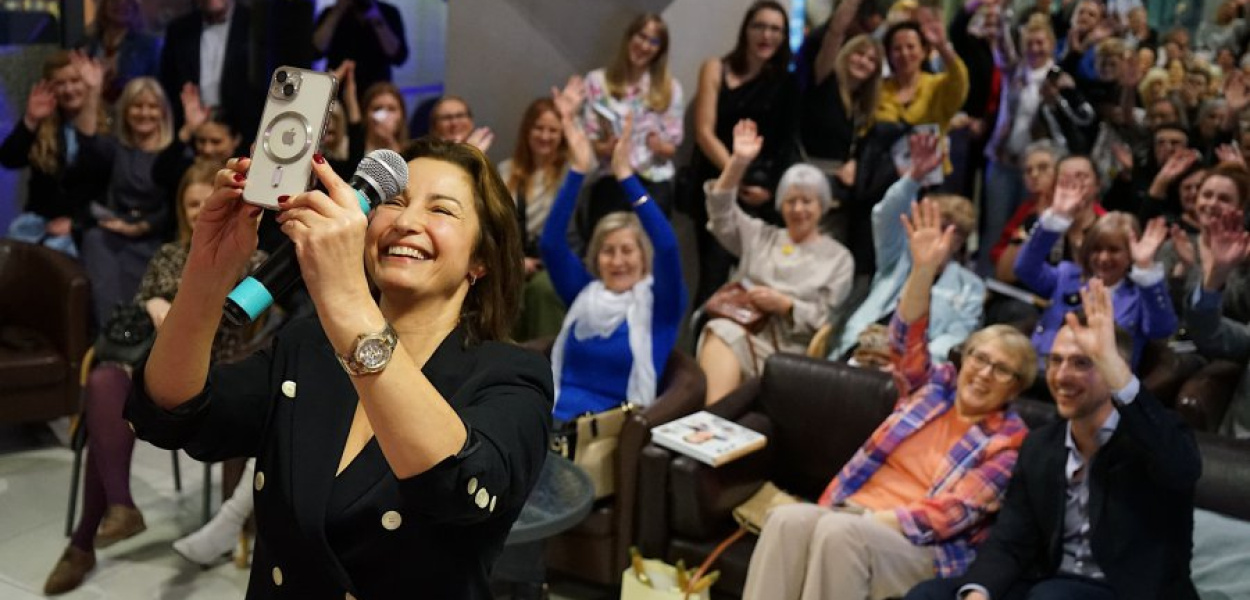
(318, 158)
(239, 177)
(254, 212)
(283, 199)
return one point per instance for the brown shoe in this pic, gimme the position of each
(69, 571)
(119, 523)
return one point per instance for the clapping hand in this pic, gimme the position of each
(1145, 247)
(1223, 246)
(1184, 246)
(622, 167)
(1235, 93)
(1229, 153)
(481, 138)
(568, 101)
(40, 104)
(930, 243)
(926, 154)
(1177, 164)
(747, 141)
(1097, 337)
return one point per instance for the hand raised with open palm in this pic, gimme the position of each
(930, 243)
(747, 141)
(1145, 247)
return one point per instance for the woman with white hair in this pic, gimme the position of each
(795, 274)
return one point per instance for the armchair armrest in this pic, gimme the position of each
(1204, 398)
(1164, 371)
(738, 402)
(653, 493)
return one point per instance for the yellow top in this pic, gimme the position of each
(937, 99)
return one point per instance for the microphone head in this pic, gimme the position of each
(385, 171)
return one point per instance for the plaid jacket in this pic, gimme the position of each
(952, 516)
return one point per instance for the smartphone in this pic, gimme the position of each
(297, 112)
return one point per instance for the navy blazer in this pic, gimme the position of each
(366, 532)
(1140, 508)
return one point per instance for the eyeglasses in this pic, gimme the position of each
(1077, 362)
(765, 28)
(1002, 372)
(452, 117)
(654, 42)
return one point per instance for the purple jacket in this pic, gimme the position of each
(1145, 312)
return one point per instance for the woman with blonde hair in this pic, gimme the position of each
(48, 139)
(133, 215)
(636, 84)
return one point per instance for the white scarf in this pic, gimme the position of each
(597, 312)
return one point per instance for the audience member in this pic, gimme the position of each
(917, 497)
(1101, 503)
(382, 122)
(205, 134)
(1005, 185)
(116, 38)
(636, 84)
(133, 215)
(109, 514)
(539, 162)
(795, 275)
(1225, 250)
(367, 32)
(958, 293)
(625, 302)
(1041, 163)
(1223, 189)
(751, 82)
(451, 120)
(979, 31)
(910, 95)
(210, 47)
(61, 115)
(1114, 251)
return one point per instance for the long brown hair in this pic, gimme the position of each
(523, 165)
(45, 153)
(737, 58)
(862, 103)
(660, 95)
(491, 305)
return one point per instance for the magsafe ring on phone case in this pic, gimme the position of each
(288, 137)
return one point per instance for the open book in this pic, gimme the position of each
(708, 438)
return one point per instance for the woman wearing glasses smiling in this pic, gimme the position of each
(918, 496)
(637, 83)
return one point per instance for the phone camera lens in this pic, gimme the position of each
(281, 77)
(288, 90)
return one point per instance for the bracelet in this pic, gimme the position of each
(641, 201)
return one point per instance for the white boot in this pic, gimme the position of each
(207, 546)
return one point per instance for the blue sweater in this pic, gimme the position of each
(595, 375)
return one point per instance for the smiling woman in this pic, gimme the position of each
(396, 439)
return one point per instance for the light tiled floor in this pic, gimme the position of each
(34, 488)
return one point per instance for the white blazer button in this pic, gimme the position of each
(492, 503)
(288, 389)
(482, 498)
(259, 481)
(391, 520)
(277, 576)
(472, 486)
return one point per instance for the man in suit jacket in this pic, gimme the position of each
(1101, 502)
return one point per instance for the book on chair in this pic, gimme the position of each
(708, 438)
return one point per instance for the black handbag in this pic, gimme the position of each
(127, 336)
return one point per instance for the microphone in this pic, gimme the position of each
(380, 175)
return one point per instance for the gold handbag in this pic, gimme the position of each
(593, 440)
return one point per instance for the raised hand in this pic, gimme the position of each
(569, 100)
(90, 70)
(1184, 246)
(1235, 93)
(747, 141)
(1097, 337)
(1143, 249)
(1177, 164)
(1068, 196)
(196, 113)
(926, 154)
(622, 167)
(932, 28)
(930, 243)
(40, 104)
(481, 138)
(1229, 153)
(1223, 246)
(1123, 155)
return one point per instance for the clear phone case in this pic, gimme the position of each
(297, 110)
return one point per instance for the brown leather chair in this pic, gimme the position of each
(43, 332)
(597, 549)
(816, 414)
(1204, 398)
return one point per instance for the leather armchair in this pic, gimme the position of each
(597, 549)
(1204, 398)
(43, 332)
(816, 414)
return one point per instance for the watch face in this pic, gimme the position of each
(373, 353)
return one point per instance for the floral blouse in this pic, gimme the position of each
(602, 111)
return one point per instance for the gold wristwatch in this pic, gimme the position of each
(370, 353)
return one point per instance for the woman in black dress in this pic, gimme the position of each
(751, 82)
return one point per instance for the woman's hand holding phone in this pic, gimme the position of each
(225, 232)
